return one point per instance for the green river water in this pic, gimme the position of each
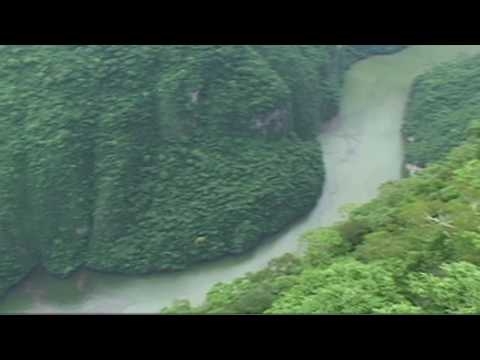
(362, 149)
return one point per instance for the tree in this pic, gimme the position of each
(346, 287)
(323, 246)
(456, 290)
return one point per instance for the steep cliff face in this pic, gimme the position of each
(143, 158)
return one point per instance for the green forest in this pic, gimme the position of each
(443, 102)
(138, 159)
(415, 249)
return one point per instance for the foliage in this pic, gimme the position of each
(323, 247)
(251, 294)
(443, 103)
(135, 159)
(415, 249)
(143, 158)
(345, 287)
(455, 291)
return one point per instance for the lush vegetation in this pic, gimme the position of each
(442, 104)
(415, 249)
(136, 159)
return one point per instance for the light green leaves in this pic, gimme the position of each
(323, 247)
(346, 287)
(456, 290)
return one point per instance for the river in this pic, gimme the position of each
(362, 149)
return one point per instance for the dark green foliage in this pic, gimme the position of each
(222, 89)
(443, 103)
(307, 74)
(144, 158)
(419, 253)
(416, 249)
(221, 201)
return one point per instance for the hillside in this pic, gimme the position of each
(135, 159)
(442, 104)
(415, 249)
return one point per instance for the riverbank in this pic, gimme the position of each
(412, 249)
(153, 292)
(361, 152)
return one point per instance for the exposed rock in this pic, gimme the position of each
(195, 96)
(413, 169)
(275, 122)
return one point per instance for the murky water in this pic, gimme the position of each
(362, 148)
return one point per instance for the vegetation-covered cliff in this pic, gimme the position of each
(414, 249)
(442, 104)
(136, 159)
